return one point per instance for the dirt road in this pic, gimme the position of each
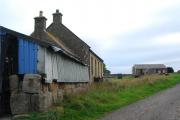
(164, 105)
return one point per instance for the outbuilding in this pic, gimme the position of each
(24, 59)
(147, 69)
(64, 37)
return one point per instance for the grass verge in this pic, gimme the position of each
(104, 97)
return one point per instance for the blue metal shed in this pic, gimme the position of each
(33, 56)
(18, 55)
(27, 52)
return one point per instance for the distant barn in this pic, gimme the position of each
(147, 69)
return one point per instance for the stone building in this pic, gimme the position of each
(37, 70)
(58, 32)
(53, 36)
(61, 34)
(96, 67)
(147, 69)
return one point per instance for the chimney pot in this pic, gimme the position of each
(40, 23)
(57, 17)
(57, 10)
(40, 13)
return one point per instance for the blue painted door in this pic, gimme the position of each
(7, 67)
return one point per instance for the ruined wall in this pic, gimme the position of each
(29, 93)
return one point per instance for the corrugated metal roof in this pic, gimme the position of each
(148, 66)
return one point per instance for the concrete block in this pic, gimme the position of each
(19, 103)
(31, 83)
(13, 83)
(42, 100)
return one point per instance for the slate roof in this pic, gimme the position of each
(149, 66)
(63, 32)
(77, 46)
(48, 37)
(96, 55)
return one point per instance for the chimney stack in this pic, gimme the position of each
(57, 17)
(40, 23)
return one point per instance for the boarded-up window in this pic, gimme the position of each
(98, 69)
(95, 67)
(92, 66)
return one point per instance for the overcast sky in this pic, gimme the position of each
(122, 32)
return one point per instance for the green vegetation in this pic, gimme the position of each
(106, 71)
(102, 98)
(128, 77)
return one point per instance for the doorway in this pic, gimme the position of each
(9, 66)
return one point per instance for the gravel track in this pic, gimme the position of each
(164, 105)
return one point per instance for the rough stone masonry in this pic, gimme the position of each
(31, 94)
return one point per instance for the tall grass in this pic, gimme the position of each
(105, 97)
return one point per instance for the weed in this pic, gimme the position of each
(105, 97)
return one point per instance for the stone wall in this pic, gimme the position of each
(96, 67)
(30, 93)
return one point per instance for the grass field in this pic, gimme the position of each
(102, 98)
